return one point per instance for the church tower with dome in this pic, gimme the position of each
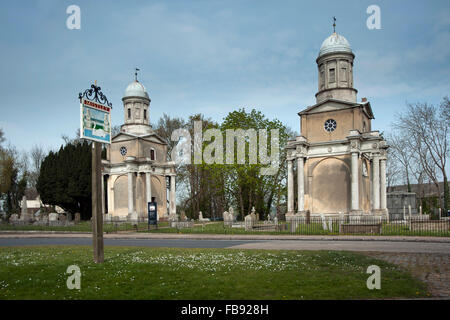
(136, 168)
(340, 160)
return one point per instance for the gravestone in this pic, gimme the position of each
(24, 216)
(253, 215)
(173, 217)
(227, 219)
(324, 222)
(248, 221)
(231, 215)
(396, 201)
(200, 217)
(24, 207)
(52, 217)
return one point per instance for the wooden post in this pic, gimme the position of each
(97, 217)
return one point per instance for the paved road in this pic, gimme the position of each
(173, 243)
(379, 246)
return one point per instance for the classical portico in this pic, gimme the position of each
(136, 170)
(340, 161)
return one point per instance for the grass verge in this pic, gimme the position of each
(163, 273)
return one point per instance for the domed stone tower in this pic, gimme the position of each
(136, 168)
(341, 161)
(136, 106)
(335, 66)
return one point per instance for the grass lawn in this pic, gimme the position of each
(83, 226)
(162, 273)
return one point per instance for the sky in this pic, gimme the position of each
(210, 57)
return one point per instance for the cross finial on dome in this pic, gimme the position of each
(334, 24)
(135, 74)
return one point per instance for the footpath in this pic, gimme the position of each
(196, 236)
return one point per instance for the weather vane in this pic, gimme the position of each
(135, 74)
(334, 24)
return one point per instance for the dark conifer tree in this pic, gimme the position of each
(65, 179)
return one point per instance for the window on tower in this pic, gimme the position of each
(145, 114)
(343, 75)
(332, 75)
(330, 125)
(322, 77)
(129, 113)
(152, 154)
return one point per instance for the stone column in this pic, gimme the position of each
(130, 193)
(383, 198)
(355, 182)
(110, 190)
(148, 186)
(103, 194)
(376, 181)
(138, 195)
(301, 185)
(24, 210)
(173, 207)
(290, 204)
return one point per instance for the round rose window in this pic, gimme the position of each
(330, 125)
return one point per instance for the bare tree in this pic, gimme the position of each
(445, 106)
(427, 128)
(37, 155)
(393, 170)
(2, 136)
(164, 128)
(401, 155)
(115, 130)
(75, 140)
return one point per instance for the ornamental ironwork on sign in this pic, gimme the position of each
(95, 94)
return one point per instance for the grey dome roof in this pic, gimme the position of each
(136, 89)
(335, 43)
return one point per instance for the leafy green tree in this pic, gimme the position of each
(13, 179)
(213, 187)
(244, 181)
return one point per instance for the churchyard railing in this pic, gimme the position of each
(415, 225)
